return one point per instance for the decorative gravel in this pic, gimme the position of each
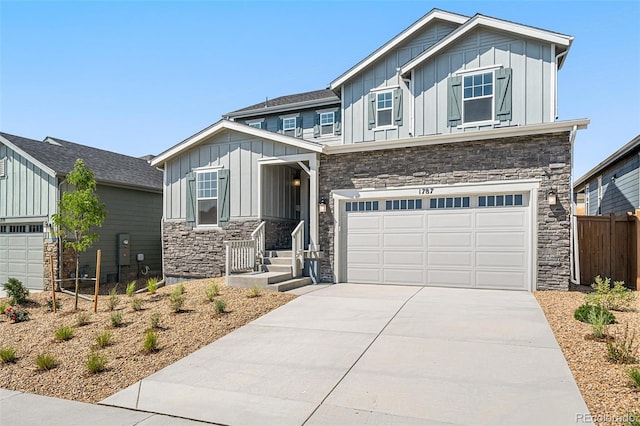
(604, 385)
(179, 335)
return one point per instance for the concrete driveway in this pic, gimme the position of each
(365, 354)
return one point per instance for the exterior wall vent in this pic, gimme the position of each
(3, 167)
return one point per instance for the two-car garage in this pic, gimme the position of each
(453, 240)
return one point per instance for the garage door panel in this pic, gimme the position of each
(413, 241)
(364, 240)
(403, 276)
(404, 258)
(450, 258)
(364, 275)
(449, 240)
(500, 239)
(501, 279)
(500, 219)
(21, 257)
(364, 222)
(407, 221)
(365, 257)
(450, 220)
(509, 259)
(449, 278)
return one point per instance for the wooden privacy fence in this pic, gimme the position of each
(608, 246)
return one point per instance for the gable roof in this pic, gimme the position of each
(283, 103)
(629, 147)
(394, 42)
(560, 40)
(223, 125)
(57, 157)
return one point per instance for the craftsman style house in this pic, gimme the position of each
(437, 160)
(32, 181)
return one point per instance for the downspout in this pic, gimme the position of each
(574, 256)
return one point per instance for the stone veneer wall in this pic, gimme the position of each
(68, 263)
(546, 157)
(194, 253)
(278, 233)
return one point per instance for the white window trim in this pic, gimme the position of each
(386, 126)
(252, 123)
(586, 199)
(198, 171)
(492, 121)
(332, 124)
(599, 212)
(385, 88)
(295, 123)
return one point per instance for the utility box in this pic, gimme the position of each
(124, 250)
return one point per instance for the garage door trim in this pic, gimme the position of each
(341, 196)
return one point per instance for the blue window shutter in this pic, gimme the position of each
(190, 199)
(503, 94)
(316, 126)
(299, 126)
(224, 199)
(263, 124)
(397, 106)
(337, 123)
(454, 101)
(372, 110)
(280, 125)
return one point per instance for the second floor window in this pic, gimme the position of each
(289, 126)
(478, 97)
(384, 108)
(207, 197)
(326, 123)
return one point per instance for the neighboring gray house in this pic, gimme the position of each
(613, 186)
(432, 161)
(32, 179)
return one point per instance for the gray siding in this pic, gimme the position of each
(279, 195)
(530, 61)
(27, 191)
(137, 213)
(620, 194)
(383, 74)
(234, 151)
(592, 208)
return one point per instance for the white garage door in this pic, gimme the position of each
(21, 256)
(469, 242)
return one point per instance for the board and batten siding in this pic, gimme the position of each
(592, 207)
(27, 191)
(532, 68)
(620, 187)
(137, 213)
(239, 153)
(383, 74)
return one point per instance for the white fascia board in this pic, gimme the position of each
(493, 23)
(17, 149)
(497, 133)
(237, 127)
(393, 43)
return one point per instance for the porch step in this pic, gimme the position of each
(290, 284)
(277, 253)
(285, 267)
(277, 261)
(261, 279)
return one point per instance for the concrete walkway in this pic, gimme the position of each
(360, 354)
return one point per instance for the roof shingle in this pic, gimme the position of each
(323, 95)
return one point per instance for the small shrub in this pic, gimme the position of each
(155, 320)
(46, 361)
(181, 288)
(150, 342)
(212, 291)
(64, 333)
(3, 307)
(152, 285)
(113, 301)
(16, 291)
(623, 350)
(82, 319)
(8, 355)
(50, 304)
(103, 339)
(116, 319)
(582, 313)
(96, 362)
(17, 313)
(219, 306)
(616, 298)
(176, 299)
(131, 287)
(254, 291)
(136, 303)
(598, 319)
(634, 375)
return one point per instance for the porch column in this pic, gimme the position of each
(314, 164)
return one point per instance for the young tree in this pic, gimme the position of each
(79, 211)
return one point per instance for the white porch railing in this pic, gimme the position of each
(258, 235)
(297, 250)
(242, 255)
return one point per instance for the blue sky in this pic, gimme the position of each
(139, 77)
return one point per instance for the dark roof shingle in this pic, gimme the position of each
(108, 167)
(323, 95)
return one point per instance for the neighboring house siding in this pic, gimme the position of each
(592, 208)
(620, 194)
(27, 191)
(381, 74)
(236, 152)
(137, 213)
(531, 65)
(517, 158)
